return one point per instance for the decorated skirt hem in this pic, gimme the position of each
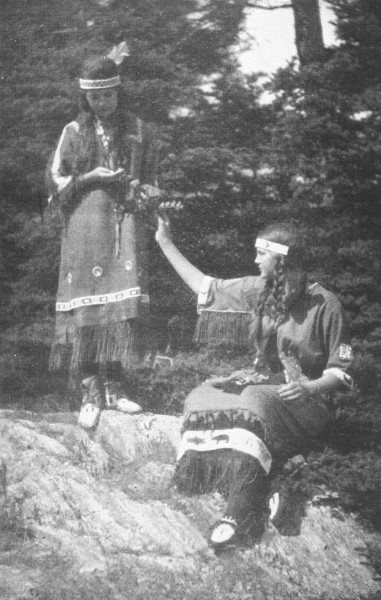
(201, 471)
(227, 419)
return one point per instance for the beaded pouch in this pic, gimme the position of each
(292, 369)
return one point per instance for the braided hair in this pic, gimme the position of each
(272, 306)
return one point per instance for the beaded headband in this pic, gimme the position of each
(273, 246)
(99, 84)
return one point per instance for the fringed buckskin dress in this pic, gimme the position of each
(102, 300)
(230, 440)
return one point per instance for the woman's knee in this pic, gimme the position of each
(262, 402)
(198, 395)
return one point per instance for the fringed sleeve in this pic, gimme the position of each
(225, 310)
(60, 179)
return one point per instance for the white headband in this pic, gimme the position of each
(99, 84)
(265, 245)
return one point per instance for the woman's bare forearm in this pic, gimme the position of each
(189, 273)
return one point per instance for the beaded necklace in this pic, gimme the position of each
(111, 160)
(106, 139)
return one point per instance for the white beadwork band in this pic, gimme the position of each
(99, 84)
(102, 299)
(239, 439)
(274, 247)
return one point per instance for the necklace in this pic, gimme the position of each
(106, 139)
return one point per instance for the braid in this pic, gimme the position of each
(85, 158)
(277, 309)
(271, 301)
(263, 299)
(272, 306)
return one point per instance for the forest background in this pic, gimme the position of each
(236, 163)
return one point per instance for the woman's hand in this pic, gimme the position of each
(190, 274)
(305, 388)
(105, 175)
(163, 231)
(295, 390)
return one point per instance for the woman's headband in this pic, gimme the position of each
(99, 84)
(273, 246)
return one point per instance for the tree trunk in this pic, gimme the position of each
(308, 31)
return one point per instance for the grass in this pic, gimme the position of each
(231, 577)
(13, 528)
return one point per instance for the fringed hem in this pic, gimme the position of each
(227, 419)
(118, 342)
(200, 473)
(223, 328)
(125, 343)
(60, 357)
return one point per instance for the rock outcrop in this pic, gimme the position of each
(101, 499)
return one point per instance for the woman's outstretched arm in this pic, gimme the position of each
(192, 276)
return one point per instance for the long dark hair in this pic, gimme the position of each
(98, 67)
(272, 302)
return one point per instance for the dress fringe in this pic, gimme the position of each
(60, 357)
(227, 419)
(223, 328)
(203, 472)
(125, 343)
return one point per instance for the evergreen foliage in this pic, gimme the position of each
(313, 154)
(328, 135)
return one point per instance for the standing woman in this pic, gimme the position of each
(235, 428)
(102, 171)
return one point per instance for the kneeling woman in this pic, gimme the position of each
(236, 428)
